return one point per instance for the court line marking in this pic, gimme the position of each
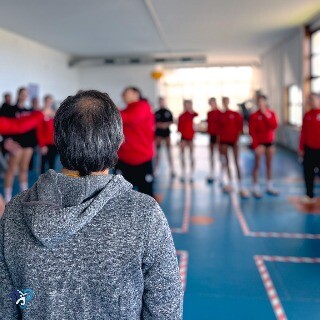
(268, 283)
(186, 212)
(183, 267)
(262, 234)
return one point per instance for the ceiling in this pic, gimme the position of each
(232, 29)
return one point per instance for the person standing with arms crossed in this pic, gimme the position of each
(262, 126)
(309, 147)
(164, 119)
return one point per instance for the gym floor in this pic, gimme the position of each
(243, 259)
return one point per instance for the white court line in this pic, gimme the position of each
(268, 283)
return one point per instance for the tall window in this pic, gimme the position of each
(295, 105)
(315, 61)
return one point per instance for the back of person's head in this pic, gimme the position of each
(131, 94)
(88, 132)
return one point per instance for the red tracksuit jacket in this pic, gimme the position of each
(310, 132)
(213, 122)
(45, 133)
(262, 127)
(11, 126)
(185, 125)
(139, 131)
(230, 126)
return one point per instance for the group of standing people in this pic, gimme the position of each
(19, 148)
(143, 129)
(224, 127)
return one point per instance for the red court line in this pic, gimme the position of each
(262, 234)
(268, 283)
(183, 266)
(186, 212)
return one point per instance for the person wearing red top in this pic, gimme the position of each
(137, 151)
(21, 125)
(309, 147)
(185, 127)
(45, 136)
(262, 126)
(213, 127)
(229, 130)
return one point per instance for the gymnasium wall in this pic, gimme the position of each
(113, 79)
(281, 67)
(23, 61)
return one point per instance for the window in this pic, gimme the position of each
(202, 83)
(295, 105)
(315, 61)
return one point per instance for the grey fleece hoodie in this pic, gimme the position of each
(87, 248)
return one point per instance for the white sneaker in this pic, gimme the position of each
(244, 193)
(308, 200)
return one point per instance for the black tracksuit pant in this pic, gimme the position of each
(311, 161)
(140, 176)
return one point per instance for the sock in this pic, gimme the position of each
(23, 186)
(7, 194)
(269, 185)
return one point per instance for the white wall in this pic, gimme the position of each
(283, 66)
(23, 61)
(113, 79)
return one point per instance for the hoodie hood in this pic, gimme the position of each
(57, 206)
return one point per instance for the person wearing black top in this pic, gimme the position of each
(20, 147)
(164, 119)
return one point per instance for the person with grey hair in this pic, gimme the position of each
(82, 244)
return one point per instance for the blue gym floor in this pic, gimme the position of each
(218, 236)
(222, 279)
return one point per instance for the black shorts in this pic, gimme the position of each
(163, 133)
(267, 145)
(230, 144)
(213, 139)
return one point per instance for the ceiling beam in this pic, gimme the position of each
(156, 21)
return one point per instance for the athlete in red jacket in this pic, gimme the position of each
(309, 147)
(213, 119)
(262, 126)
(185, 127)
(137, 151)
(230, 128)
(21, 125)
